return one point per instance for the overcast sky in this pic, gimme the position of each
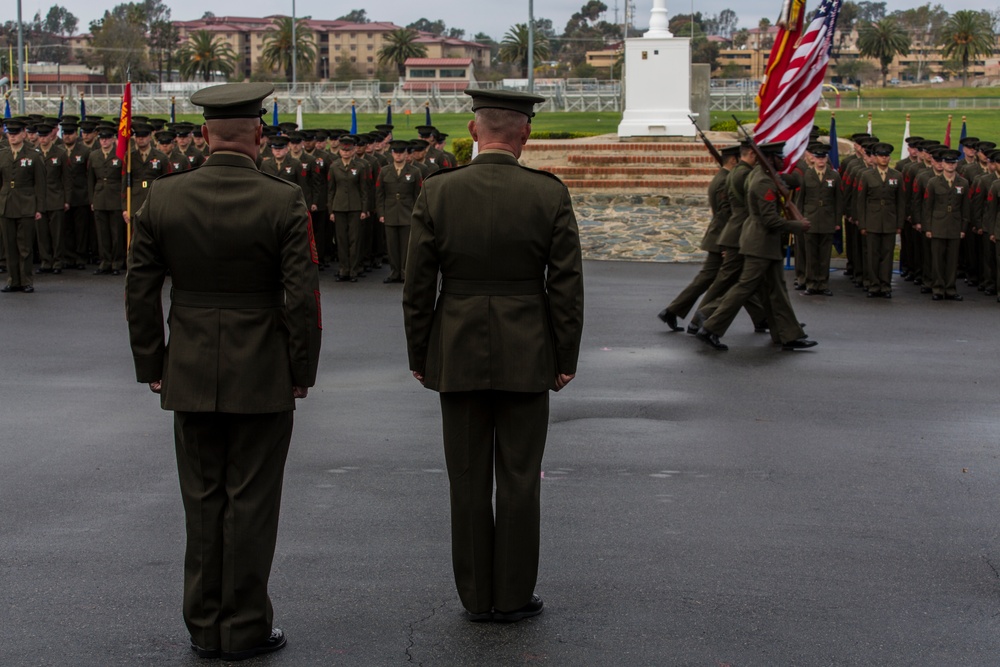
(493, 17)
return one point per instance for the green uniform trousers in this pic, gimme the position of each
(495, 559)
(348, 227)
(685, 301)
(230, 468)
(817, 251)
(729, 275)
(19, 241)
(879, 258)
(110, 239)
(50, 239)
(757, 273)
(397, 237)
(944, 265)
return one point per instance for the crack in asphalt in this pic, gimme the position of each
(996, 573)
(410, 627)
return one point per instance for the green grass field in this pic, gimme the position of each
(939, 91)
(887, 125)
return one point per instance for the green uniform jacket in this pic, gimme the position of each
(763, 232)
(195, 158)
(919, 187)
(946, 207)
(22, 194)
(290, 170)
(395, 194)
(821, 201)
(881, 205)
(736, 189)
(515, 318)
(718, 201)
(312, 188)
(348, 186)
(104, 180)
(57, 178)
(970, 170)
(323, 161)
(239, 239)
(992, 209)
(978, 191)
(78, 194)
(144, 172)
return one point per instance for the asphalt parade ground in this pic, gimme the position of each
(836, 506)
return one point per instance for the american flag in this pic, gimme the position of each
(790, 94)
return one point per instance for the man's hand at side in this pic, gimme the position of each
(563, 379)
(300, 392)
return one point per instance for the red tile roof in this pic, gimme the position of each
(436, 62)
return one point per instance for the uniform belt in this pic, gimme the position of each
(233, 300)
(492, 287)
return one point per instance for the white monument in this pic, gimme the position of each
(657, 82)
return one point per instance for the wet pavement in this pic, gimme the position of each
(756, 507)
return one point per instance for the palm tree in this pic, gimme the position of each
(966, 36)
(514, 47)
(203, 54)
(883, 40)
(400, 45)
(278, 46)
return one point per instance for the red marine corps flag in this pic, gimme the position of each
(794, 82)
(125, 123)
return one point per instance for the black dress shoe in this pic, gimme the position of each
(28, 289)
(388, 280)
(339, 278)
(799, 344)
(57, 271)
(908, 278)
(354, 279)
(533, 608)
(811, 292)
(936, 297)
(925, 290)
(102, 272)
(693, 328)
(826, 292)
(10, 288)
(484, 617)
(886, 295)
(949, 297)
(799, 286)
(39, 271)
(210, 653)
(760, 327)
(274, 643)
(115, 272)
(669, 319)
(989, 291)
(872, 295)
(710, 339)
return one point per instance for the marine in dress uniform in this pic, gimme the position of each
(761, 247)
(504, 330)
(991, 210)
(148, 164)
(104, 184)
(51, 248)
(348, 195)
(946, 219)
(979, 188)
(821, 201)
(22, 200)
(718, 201)
(244, 344)
(78, 223)
(396, 190)
(936, 167)
(881, 212)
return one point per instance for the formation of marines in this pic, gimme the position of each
(65, 197)
(942, 203)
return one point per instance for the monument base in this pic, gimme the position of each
(657, 88)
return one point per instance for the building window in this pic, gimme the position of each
(371, 47)
(354, 47)
(422, 73)
(371, 59)
(353, 59)
(453, 74)
(324, 37)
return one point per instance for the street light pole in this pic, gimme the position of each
(21, 65)
(294, 55)
(531, 46)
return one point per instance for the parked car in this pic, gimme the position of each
(893, 82)
(936, 79)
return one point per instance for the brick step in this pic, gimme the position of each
(584, 158)
(652, 147)
(630, 185)
(631, 172)
(638, 173)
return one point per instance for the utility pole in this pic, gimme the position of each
(294, 54)
(21, 65)
(531, 46)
